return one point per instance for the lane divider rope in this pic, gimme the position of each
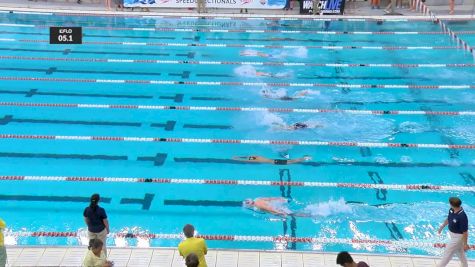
(254, 84)
(242, 30)
(249, 238)
(230, 182)
(269, 63)
(425, 10)
(245, 45)
(234, 141)
(243, 109)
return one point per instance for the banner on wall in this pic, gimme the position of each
(327, 7)
(251, 4)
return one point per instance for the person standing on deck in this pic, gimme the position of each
(3, 251)
(458, 229)
(96, 221)
(193, 245)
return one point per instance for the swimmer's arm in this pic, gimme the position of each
(240, 158)
(295, 160)
(280, 199)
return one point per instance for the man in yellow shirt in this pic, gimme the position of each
(3, 251)
(193, 245)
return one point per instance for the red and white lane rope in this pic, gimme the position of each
(253, 238)
(268, 63)
(246, 45)
(233, 141)
(244, 109)
(254, 84)
(154, 29)
(424, 9)
(230, 182)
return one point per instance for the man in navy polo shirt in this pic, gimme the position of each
(458, 230)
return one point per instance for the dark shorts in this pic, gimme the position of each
(280, 161)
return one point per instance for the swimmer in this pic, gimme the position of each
(267, 93)
(259, 159)
(253, 53)
(296, 126)
(273, 205)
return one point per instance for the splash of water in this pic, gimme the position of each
(328, 208)
(245, 71)
(412, 127)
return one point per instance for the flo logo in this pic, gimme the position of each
(245, 2)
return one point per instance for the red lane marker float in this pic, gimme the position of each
(257, 84)
(150, 61)
(232, 141)
(244, 238)
(235, 182)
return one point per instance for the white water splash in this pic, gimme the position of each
(331, 207)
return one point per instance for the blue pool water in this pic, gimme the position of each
(354, 213)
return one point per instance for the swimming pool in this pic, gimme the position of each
(164, 104)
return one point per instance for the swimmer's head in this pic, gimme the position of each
(379, 22)
(189, 230)
(248, 203)
(300, 125)
(265, 92)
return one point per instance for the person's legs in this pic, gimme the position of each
(451, 6)
(3, 256)
(103, 237)
(452, 247)
(461, 255)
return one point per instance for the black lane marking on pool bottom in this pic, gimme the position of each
(284, 176)
(178, 98)
(394, 231)
(36, 92)
(230, 203)
(468, 178)
(381, 194)
(215, 75)
(216, 203)
(70, 51)
(209, 126)
(321, 163)
(202, 98)
(146, 202)
(158, 160)
(52, 70)
(9, 118)
(435, 124)
(168, 126)
(184, 75)
(365, 151)
(61, 156)
(190, 55)
(51, 198)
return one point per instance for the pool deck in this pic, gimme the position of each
(169, 257)
(361, 9)
(165, 257)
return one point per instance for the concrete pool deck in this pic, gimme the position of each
(169, 257)
(361, 9)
